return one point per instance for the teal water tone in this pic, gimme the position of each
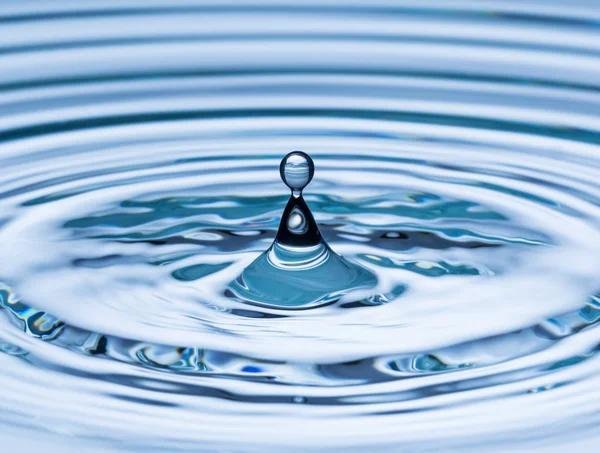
(424, 276)
(299, 277)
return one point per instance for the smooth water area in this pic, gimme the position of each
(145, 303)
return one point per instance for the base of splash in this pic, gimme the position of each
(299, 277)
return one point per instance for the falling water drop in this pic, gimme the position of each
(298, 226)
(297, 170)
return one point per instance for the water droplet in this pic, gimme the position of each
(297, 170)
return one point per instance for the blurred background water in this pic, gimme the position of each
(457, 155)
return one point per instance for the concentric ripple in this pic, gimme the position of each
(457, 155)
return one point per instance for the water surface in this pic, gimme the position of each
(457, 155)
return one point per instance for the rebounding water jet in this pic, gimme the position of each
(299, 270)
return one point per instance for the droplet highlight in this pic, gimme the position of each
(297, 223)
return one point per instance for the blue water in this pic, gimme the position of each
(457, 195)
